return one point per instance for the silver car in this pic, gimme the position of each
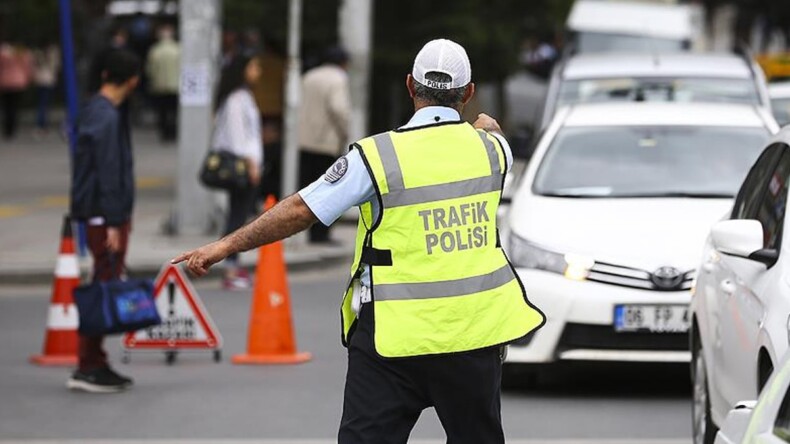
(673, 77)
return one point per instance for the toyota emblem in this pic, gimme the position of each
(667, 278)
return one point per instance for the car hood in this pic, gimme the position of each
(645, 233)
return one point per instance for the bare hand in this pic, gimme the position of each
(113, 242)
(487, 123)
(200, 260)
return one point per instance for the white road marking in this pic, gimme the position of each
(328, 441)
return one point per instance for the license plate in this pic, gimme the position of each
(660, 318)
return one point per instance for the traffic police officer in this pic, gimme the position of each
(431, 297)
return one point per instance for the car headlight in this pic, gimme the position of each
(525, 254)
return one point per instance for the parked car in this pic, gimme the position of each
(741, 301)
(606, 225)
(674, 77)
(765, 421)
(779, 93)
(600, 26)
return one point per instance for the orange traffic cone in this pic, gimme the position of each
(271, 336)
(60, 343)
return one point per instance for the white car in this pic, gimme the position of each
(606, 225)
(596, 26)
(741, 300)
(765, 421)
(780, 101)
(655, 77)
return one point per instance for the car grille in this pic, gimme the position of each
(604, 337)
(636, 278)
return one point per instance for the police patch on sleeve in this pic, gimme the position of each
(337, 170)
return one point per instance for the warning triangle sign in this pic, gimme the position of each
(185, 321)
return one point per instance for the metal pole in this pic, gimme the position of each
(72, 96)
(355, 27)
(200, 37)
(292, 99)
(69, 73)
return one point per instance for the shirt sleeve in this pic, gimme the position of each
(506, 149)
(328, 200)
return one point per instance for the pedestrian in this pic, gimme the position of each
(432, 298)
(237, 128)
(16, 72)
(323, 123)
(230, 47)
(119, 39)
(269, 97)
(747, 12)
(102, 196)
(163, 69)
(46, 64)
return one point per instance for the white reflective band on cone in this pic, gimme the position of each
(67, 266)
(63, 317)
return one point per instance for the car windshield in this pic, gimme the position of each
(659, 90)
(605, 42)
(650, 161)
(781, 108)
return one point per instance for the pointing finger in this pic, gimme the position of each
(181, 258)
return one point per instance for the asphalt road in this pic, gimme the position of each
(197, 400)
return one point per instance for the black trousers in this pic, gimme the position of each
(11, 100)
(272, 167)
(311, 167)
(384, 397)
(239, 209)
(167, 115)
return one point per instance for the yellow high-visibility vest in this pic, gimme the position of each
(440, 282)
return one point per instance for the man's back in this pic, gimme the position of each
(163, 66)
(324, 113)
(103, 179)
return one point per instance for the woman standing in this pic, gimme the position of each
(16, 70)
(237, 128)
(46, 63)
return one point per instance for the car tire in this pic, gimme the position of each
(704, 430)
(519, 377)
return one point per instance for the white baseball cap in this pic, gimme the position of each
(444, 56)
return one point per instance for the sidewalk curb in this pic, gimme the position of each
(295, 261)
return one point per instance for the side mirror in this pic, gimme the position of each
(742, 238)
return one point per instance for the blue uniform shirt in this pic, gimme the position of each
(329, 200)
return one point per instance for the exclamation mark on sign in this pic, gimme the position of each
(171, 297)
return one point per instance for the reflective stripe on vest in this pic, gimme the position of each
(399, 196)
(457, 287)
(446, 285)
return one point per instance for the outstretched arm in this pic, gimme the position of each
(285, 219)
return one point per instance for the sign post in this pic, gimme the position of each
(200, 39)
(292, 99)
(355, 27)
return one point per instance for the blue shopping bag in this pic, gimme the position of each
(116, 306)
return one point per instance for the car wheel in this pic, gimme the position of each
(519, 377)
(703, 426)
